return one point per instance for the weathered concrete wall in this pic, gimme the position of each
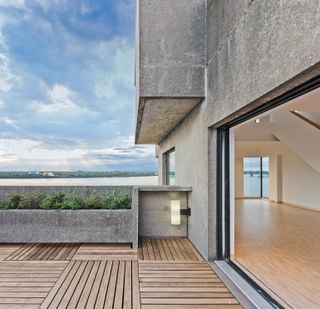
(155, 214)
(170, 64)
(149, 216)
(171, 48)
(190, 140)
(256, 50)
(98, 226)
(95, 225)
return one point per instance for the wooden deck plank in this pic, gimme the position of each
(119, 288)
(73, 284)
(43, 252)
(105, 252)
(127, 299)
(16, 253)
(24, 284)
(78, 290)
(173, 284)
(166, 250)
(150, 249)
(47, 302)
(168, 274)
(144, 250)
(88, 286)
(112, 285)
(162, 252)
(96, 285)
(104, 286)
(135, 286)
(156, 250)
(177, 249)
(7, 249)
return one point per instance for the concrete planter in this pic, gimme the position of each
(98, 226)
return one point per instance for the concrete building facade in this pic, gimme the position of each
(203, 63)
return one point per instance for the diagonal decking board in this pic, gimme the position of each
(44, 252)
(162, 273)
(168, 249)
(7, 249)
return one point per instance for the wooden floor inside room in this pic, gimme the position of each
(162, 273)
(279, 246)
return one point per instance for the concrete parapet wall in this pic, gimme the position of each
(149, 216)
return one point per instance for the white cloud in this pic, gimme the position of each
(123, 71)
(12, 3)
(7, 157)
(7, 79)
(60, 98)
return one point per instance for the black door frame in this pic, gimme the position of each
(223, 178)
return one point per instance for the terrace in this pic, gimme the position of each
(136, 256)
(162, 273)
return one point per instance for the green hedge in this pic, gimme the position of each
(58, 200)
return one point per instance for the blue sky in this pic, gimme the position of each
(67, 97)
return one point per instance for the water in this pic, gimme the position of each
(94, 181)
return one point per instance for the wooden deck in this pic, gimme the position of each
(163, 273)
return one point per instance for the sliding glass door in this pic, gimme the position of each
(256, 177)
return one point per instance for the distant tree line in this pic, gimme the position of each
(74, 174)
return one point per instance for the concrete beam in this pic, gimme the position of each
(170, 64)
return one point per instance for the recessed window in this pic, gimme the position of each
(170, 167)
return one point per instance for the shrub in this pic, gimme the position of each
(31, 201)
(11, 202)
(116, 201)
(53, 201)
(58, 200)
(92, 201)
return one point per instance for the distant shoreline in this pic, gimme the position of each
(69, 177)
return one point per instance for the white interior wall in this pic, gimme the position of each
(291, 179)
(301, 183)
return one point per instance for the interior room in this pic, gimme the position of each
(275, 201)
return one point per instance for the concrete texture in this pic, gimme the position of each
(256, 50)
(98, 226)
(172, 48)
(168, 65)
(190, 140)
(149, 216)
(155, 214)
(160, 116)
(165, 188)
(264, 48)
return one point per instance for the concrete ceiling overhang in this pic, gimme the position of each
(157, 117)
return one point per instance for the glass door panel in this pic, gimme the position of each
(252, 177)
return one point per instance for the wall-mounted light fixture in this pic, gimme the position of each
(257, 120)
(177, 212)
